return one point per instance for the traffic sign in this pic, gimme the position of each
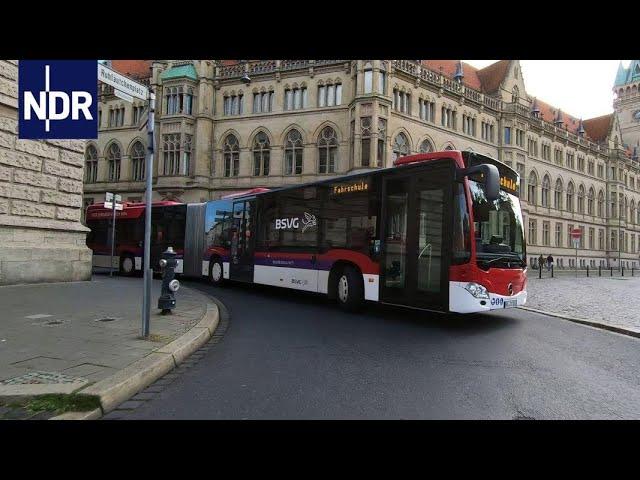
(108, 197)
(576, 233)
(110, 205)
(124, 96)
(122, 83)
(576, 242)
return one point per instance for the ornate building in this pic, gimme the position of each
(224, 126)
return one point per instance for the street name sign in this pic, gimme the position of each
(124, 96)
(122, 83)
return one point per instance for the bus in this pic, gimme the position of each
(440, 231)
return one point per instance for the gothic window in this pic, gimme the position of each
(546, 186)
(365, 135)
(590, 199)
(171, 154)
(327, 151)
(557, 195)
(295, 98)
(601, 213)
(570, 193)
(185, 167)
(531, 192)
(368, 78)
(426, 146)
(114, 159)
(581, 199)
(263, 102)
(400, 146)
(233, 104)
(293, 153)
(329, 95)
(382, 142)
(261, 154)
(137, 162)
(231, 154)
(91, 165)
(382, 79)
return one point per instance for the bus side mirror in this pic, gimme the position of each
(491, 178)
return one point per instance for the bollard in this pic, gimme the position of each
(587, 271)
(611, 269)
(167, 300)
(552, 270)
(623, 271)
(599, 270)
(540, 271)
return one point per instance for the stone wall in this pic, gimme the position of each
(41, 237)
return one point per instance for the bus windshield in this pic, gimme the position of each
(499, 230)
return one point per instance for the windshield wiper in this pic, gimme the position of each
(511, 259)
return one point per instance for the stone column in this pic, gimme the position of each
(41, 237)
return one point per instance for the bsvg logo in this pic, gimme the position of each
(58, 99)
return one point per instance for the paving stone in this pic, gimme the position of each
(154, 389)
(609, 300)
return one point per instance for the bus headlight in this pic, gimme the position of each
(174, 285)
(477, 290)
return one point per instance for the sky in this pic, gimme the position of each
(582, 88)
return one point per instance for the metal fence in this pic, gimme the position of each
(551, 272)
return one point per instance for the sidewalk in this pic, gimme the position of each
(612, 301)
(62, 337)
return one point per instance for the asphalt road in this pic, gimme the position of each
(292, 355)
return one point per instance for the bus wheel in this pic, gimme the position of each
(127, 265)
(350, 293)
(216, 272)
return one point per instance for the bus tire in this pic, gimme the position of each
(127, 265)
(350, 289)
(216, 272)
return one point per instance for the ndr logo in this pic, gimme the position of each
(57, 99)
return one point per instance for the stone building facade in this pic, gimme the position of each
(224, 126)
(41, 234)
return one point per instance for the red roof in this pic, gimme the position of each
(493, 75)
(132, 68)
(598, 128)
(448, 68)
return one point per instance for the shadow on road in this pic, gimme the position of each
(477, 323)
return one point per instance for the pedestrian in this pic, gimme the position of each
(541, 262)
(549, 262)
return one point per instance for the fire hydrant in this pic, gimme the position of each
(170, 285)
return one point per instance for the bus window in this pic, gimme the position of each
(461, 251)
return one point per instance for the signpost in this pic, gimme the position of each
(128, 89)
(112, 202)
(576, 235)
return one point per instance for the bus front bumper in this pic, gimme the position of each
(462, 301)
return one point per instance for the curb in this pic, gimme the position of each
(125, 383)
(601, 326)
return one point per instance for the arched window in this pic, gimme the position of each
(327, 150)
(231, 153)
(261, 154)
(531, 189)
(581, 199)
(137, 162)
(293, 153)
(570, 192)
(382, 79)
(400, 146)
(557, 195)
(601, 212)
(426, 146)
(171, 153)
(114, 159)
(546, 187)
(91, 165)
(590, 199)
(368, 78)
(632, 212)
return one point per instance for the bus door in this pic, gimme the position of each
(242, 236)
(415, 230)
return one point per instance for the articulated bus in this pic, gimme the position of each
(440, 231)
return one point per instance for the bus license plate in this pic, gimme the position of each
(510, 303)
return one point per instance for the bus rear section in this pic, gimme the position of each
(168, 225)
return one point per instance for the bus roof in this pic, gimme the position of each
(129, 209)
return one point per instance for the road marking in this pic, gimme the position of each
(39, 315)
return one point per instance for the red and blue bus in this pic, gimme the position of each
(440, 231)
